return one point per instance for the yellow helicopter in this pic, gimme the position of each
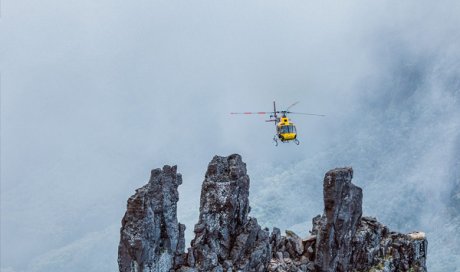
(285, 128)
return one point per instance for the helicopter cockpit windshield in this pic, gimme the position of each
(287, 129)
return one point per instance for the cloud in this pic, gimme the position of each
(93, 252)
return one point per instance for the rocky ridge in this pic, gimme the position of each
(228, 239)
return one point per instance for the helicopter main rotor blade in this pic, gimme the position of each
(303, 113)
(293, 104)
(259, 112)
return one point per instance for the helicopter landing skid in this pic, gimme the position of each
(275, 139)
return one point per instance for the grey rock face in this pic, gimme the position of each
(348, 242)
(342, 209)
(225, 237)
(375, 247)
(291, 253)
(151, 239)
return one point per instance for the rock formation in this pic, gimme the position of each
(376, 248)
(342, 211)
(227, 239)
(348, 242)
(291, 253)
(151, 239)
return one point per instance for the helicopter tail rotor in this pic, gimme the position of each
(275, 116)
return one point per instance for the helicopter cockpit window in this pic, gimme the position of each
(288, 129)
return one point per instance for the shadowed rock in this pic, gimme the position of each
(342, 209)
(376, 247)
(227, 239)
(151, 239)
(348, 242)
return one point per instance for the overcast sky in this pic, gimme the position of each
(94, 94)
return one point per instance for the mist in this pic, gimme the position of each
(96, 94)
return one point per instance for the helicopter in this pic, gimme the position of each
(285, 129)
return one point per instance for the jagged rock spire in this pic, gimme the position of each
(343, 210)
(151, 239)
(346, 241)
(225, 237)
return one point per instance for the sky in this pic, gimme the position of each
(95, 94)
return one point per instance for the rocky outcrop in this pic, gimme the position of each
(227, 239)
(342, 210)
(348, 242)
(151, 239)
(291, 253)
(376, 248)
(342, 240)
